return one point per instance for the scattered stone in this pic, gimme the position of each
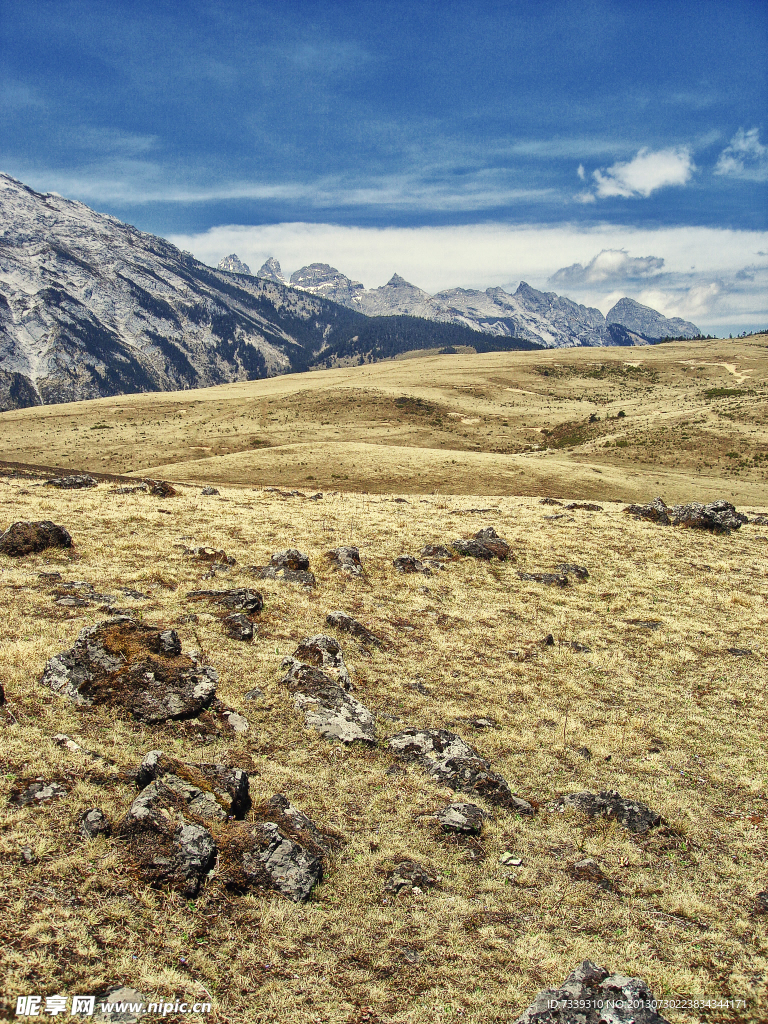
(410, 876)
(233, 720)
(419, 687)
(318, 680)
(588, 870)
(632, 814)
(211, 791)
(37, 792)
(28, 855)
(346, 624)
(281, 849)
(407, 563)
(25, 538)
(130, 490)
(585, 752)
(510, 860)
(204, 554)
(486, 544)
(718, 516)
(589, 995)
(62, 740)
(739, 652)
(761, 903)
(347, 559)
(49, 577)
(94, 823)
(460, 817)
(119, 994)
(254, 694)
(547, 641)
(761, 520)
(651, 624)
(315, 497)
(550, 501)
(483, 723)
(161, 488)
(453, 763)
(580, 648)
(562, 515)
(290, 559)
(585, 506)
(550, 578)
(436, 552)
(239, 626)
(127, 664)
(79, 594)
(185, 620)
(75, 481)
(240, 599)
(166, 848)
(572, 570)
(290, 566)
(209, 491)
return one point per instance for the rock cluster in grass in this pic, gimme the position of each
(291, 566)
(161, 488)
(453, 763)
(591, 995)
(717, 517)
(410, 875)
(346, 624)
(240, 599)
(319, 682)
(27, 538)
(462, 818)
(347, 559)
(206, 554)
(486, 544)
(73, 482)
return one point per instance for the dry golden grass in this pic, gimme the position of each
(670, 717)
(695, 423)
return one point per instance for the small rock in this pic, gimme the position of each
(25, 538)
(483, 723)
(589, 995)
(510, 860)
(212, 791)
(572, 570)
(62, 740)
(28, 855)
(632, 814)
(585, 752)
(204, 554)
(236, 722)
(739, 652)
(585, 506)
(651, 624)
(161, 488)
(547, 641)
(119, 994)
(290, 559)
(239, 626)
(486, 544)
(347, 559)
(460, 817)
(240, 599)
(75, 481)
(407, 563)
(38, 792)
(209, 491)
(588, 870)
(346, 624)
(550, 501)
(94, 823)
(761, 520)
(410, 875)
(254, 694)
(580, 648)
(438, 552)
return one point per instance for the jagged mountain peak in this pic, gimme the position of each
(270, 270)
(648, 322)
(234, 265)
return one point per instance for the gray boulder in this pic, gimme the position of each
(654, 511)
(209, 491)
(38, 792)
(94, 823)
(347, 559)
(486, 544)
(590, 995)
(211, 791)
(635, 816)
(410, 875)
(239, 626)
(129, 665)
(240, 599)
(72, 482)
(718, 516)
(346, 624)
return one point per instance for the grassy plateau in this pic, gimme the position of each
(406, 453)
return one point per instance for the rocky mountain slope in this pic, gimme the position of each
(543, 318)
(91, 307)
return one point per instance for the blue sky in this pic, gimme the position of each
(594, 148)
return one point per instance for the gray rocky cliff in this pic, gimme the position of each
(647, 322)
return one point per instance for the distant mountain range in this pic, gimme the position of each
(543, 318)
(91, 307)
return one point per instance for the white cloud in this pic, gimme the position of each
(581, 172)
(646, 173)
(610, 264)
(745, 157)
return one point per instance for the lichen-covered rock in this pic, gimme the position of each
(654, 511)
(585, 506)
(486, 544)
(407, 563)
(568, 569)
(463, 818)
(346, 624)
(161, 488)
(319, 681)
(410, 875)
(139, 668)
(165, 848)
(437, 552)
(94, 823)
(718, 516)
(25, 538)
(280, 849)
(238, 626)
(284, 574)
(211, 791)
(454, 763)
(347, 559)
(209, 491)
(239, 599)
(590, 995)
(205, 554)
(37, 792)
(635, 816)
(72, 482)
